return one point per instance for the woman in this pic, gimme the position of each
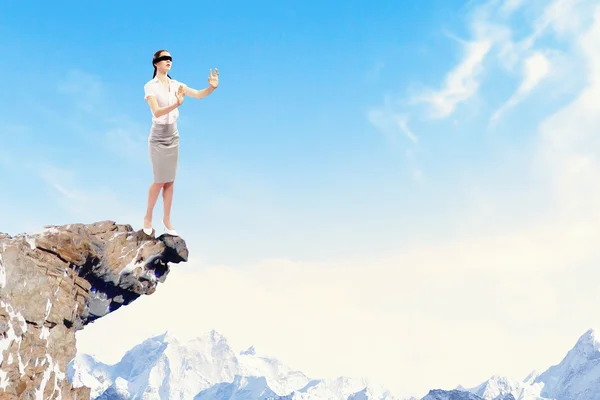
(164, 96)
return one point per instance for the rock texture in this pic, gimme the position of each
(54, 282)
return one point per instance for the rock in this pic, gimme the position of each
(55, 282)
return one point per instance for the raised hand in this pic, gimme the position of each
(213, 79)
(180, 95)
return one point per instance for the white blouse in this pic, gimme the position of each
(164, 97)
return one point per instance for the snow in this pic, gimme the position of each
(3, 380)
(30, 241)
(2, 273)
(52, 366)
(206, 367)
(122, 387)
(577, 376)
(45, 333)
(50, 229)
(133, 264)
(450, 395)
(86, 370)
(242, 388)
(11, 335)
(498, 386)
(48, 308)
(116, 235)
(280, 378)
(341, 388)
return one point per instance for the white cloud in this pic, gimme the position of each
(84, 201)
(61, 180)
(535, 68)
(510, 6)
(490, 31)
(128, 142)
(391, 123)
(460, 84)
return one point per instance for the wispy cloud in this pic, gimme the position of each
(128, 141)
(510, 6)
(394, 126)
(83, 200)
(535, 68)
(391, 123)
(86, 90)
(62, 181)
(460, 84)
(92, 110)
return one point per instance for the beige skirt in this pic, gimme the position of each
(163, 147)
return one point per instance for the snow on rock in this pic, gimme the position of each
(500, 388)
(118, 391)
(207, 367)
(450, 395)
(2, 273)
(86, 371)
(577, 376)
(242, 388)
(280, 378)
(341, 388)
(187, 368)
(55, 282)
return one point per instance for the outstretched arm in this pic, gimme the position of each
(213, 82)
(198, 93)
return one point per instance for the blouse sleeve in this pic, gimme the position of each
(149, 91)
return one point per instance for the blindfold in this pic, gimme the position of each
(159, 59)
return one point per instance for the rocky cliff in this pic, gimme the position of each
(54, 282)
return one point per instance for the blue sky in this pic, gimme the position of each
(286, 141)
(431, 151)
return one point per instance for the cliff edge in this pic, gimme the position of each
(55, 282)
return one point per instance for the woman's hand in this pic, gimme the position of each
(180, 95)
(213, 80)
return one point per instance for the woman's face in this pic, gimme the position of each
(164, 65)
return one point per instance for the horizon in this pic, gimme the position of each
(371, 191)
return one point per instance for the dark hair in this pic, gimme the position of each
(156, 55)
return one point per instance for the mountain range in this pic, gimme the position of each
(164, 367)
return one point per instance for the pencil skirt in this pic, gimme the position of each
(163, 147)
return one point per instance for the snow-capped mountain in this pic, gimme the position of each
(499, 387)
(340, 388)
(163, 367)
(242, 388)
(450, 395)
(577, 376)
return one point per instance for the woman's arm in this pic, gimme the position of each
(198, 94)
(160, 111)
(213, 82)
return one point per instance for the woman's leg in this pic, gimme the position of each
(167, 201)
(153, 193)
